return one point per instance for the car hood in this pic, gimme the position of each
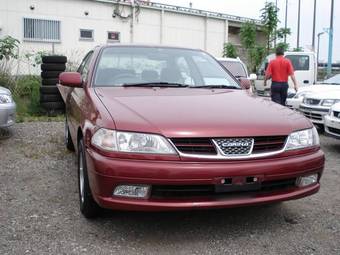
(319, 88)
(186, 112)
(4, 91)
(332, 94)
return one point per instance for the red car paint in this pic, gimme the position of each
(183, 113)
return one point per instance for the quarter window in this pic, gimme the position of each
(41, 30)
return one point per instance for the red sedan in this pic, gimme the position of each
(166, 128)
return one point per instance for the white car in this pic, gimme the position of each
(316, 105)
(237, 68)
(331, 84)
(7, 108)
(332, 121)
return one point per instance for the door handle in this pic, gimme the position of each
(306, 81)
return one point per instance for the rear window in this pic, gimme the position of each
(236, 68)
(300, 62)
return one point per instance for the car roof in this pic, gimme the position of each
(132, 45)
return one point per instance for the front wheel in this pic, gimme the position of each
(88, 207)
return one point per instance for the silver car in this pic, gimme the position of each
(7, 108)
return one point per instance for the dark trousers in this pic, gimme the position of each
(279, 91)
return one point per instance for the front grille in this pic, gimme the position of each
(312, 101)
(205, 146)
(334, 130)
(194, 145)
(269, 144)
(235, 146)
(189, 191)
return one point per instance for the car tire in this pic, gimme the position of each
(53, 67)
(88, 207)
(68, 140)
(320, 128)
(50, 82)
(49, 90)
(50, 74)
(50, 98)
(54, 59)
(51, 106)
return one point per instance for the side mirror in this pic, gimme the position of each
(252, 77)
(71, 79)
(245, 83)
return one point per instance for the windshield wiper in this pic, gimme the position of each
(155, 84)
(215, 87)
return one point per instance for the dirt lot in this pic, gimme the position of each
(39, 211)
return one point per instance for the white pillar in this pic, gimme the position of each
(226, 31)
(161, 28)
(206, 33)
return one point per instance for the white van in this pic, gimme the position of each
(305, 66)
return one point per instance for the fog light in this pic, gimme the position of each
(135, 191)
(306, 180)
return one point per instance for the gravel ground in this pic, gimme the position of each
(39, 211)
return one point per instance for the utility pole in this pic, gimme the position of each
(330, 41)
(298, 27)
(314, 20)
(286, 15)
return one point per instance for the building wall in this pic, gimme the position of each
(151, 26)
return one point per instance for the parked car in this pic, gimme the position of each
(305, 66)
(7, 108)
(332, 121)
(166, 128)
(237, 68)
(328, 85)
(316, 106)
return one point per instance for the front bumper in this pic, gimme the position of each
(106, 173)
(314, 113)
(332, 126)
(7, 115)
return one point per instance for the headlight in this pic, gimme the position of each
(303, 139)
(111, 140)
(5, 99)
(329, 102)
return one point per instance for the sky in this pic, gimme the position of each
(251, 9)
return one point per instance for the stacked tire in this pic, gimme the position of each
(50, 99)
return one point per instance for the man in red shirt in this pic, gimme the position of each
(279, 70)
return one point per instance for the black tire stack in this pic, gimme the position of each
(50, 98)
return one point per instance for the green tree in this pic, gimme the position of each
(229, 51)
(254, 52)
(269, 20)
(8, 50)
(248, 35)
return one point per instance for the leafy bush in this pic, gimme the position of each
(229, 51)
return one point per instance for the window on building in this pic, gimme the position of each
(41, 30)
(86, 34)
(113, 36)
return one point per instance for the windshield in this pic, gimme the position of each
(299, 62)
(119, 66)
(236, 68)
(335, 80)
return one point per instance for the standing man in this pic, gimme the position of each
(279, 70)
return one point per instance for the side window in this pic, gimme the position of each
(84, 66)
